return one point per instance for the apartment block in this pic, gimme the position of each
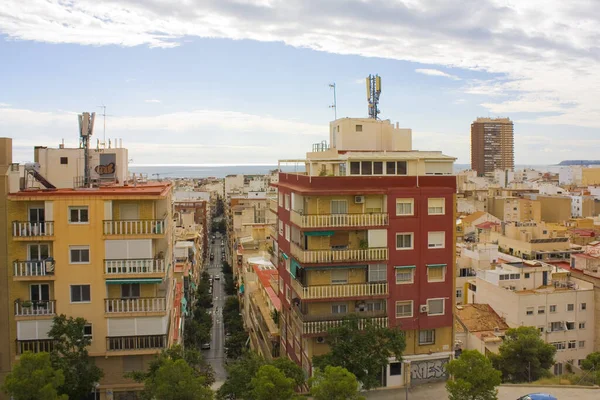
(479, 327)
(590, 176)
(369, 230)
(492, 145)
(552, 208)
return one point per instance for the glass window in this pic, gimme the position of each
(404, 309)
(529, 310)
(339, 308)
(401, 168)
(87, 330)
(366, 168)
(80, 293)
(280, 200)
(359, 128)
(79, 254)
(583, 306)
(287, 232)
(581, 344)
(436, 240)
(435, 206)
(287, 202)
(405, 275)
(436, 273)
(390, 168)
(64, 160)
(130, 290)
(570, 307)
(78, 215)
(541, 309)
(436, 306)
(378, 168)
(377, 273)
(553, 308)
(404, 241)
(339, 206)
(354, 168)
(405, 206)
(395, 368)
(582, 325)
(427, 336)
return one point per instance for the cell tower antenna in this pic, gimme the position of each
(373, 91)
(86, 129)
(334, 105)
(104, 115)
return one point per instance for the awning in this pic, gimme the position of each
(294, 267)
(435, 265)
(319, 233)
(193, 285)
(337, 266)
(242, 288)
(406, 267)
(284, 255)
(139, 280)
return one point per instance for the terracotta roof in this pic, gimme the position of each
(487, 225)
(264, 275)
(154, 189)
(584, 232)
(472, 217)
(479, 317)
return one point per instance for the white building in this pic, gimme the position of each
(547, 188)
(536, 294)
(570, 175)
(470, 259)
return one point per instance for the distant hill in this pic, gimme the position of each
(580, 162)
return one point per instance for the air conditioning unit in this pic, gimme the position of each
(320, 339)
(424, 308)
(359, 199)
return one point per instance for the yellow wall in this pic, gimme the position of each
(324, 242)
(146, 208)
(322, 204)
(590, 176)
(323, 277)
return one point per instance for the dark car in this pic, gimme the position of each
(537, 396)
(212, 257)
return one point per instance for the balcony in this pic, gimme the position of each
(141, 266)
(34, 308)
(273, 205)
(320, 327)
(35, 346)
(334, 256)
(340, 291)
(132, 227)
(33, 270)
(135, 305)
(338, 220)
(35, 230)
(145, 342)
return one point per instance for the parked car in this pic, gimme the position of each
(537, 396)
(212, 257)
(205, 346)
(217, 277)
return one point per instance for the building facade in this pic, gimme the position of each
(492, 145)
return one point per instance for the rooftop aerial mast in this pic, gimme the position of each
(373, 92)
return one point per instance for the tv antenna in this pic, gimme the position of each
(104, 115)
(373, 92)
(334, 105)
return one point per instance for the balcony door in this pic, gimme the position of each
(39, 292)
(37, 214)
(130, 290)
(38, 251)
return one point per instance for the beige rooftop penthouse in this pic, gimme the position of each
(366, 146)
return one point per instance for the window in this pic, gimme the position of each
(287, 232)
(405, 275)
(377, 168)
(405, 206)
(39, 292)
(559, 345)
(541, 329)
(529, 311)
(435, 206)
(288, 293)
(581, 344)
(459, 293)
(280, 200)
(570, 325)
(287, 265)
(341, 308)
(375, 306)
(553, 308)
(395, 368)
(339, 206)
(38, 251)
(427, 336)
(78, 215)
(280, 285)
(130, 290)
(366, 168)
(87, 331)
(79, 254)
(354, 168)
(436, 240)
(436, 306)
(404, 309)
(582, 325)
(527, 274)
(358, 128)
(377, 273)
(280, 228)
(390, 168)
(541, 309)
(339, 277)
(287, 202)
(583, 306)
(436, 273)
(570, 307)
(404, 241)
(401, 168)
(556, 326)
(64, 160)
(133, 363)
(572, 344)
(80, 294)
(558, 369)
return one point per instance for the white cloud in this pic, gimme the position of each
(4, 105)
(152, 101)
(436, 72)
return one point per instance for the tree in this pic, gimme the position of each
(592, 364)
(335, 383)
(363, 348)
(271, 384)
(290, 369)
(235, 344)
(239, 375)
(474, 377)
(71, 356)
(34, 378)
(195, 333)
(176, 380)
(523, 355)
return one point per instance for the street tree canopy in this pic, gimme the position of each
(176, 380)
(474, 377)
(523, 355)
(335, 383)
(362, 348)
(34, 378)
(271, 384)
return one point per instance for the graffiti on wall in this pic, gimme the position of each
(428, 369)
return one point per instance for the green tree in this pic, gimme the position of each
(34, 378)
(176, 380)
(195, 333)
(363, 348)
(592, 364)
(239, 375)
(290, 369)
(335, 383)
(271, 384)
(236, 344)
(474, 377)
(523, 355)
(70, 355)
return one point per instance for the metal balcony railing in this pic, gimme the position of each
(32, 268)
(144, 342)
(331, 256)
(135, 266)
(340, 291)
(35, 346)
(35, 307)
(134, 305)
(33, 229)
(338, 220)
(316, 327)
(134, 227)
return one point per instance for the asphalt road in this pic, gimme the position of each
(216, 354)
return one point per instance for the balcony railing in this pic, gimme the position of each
(35, 307)
(338, 316)
(338, 220)
(134, 305)
(340, 291)
(273, 205)
(32, 268)
(134, 266)
(145, 342)
(134, 227)
(35, 346)
(33, 229)
(330, 256)
(316, 327)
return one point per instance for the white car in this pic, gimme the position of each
(217, 277)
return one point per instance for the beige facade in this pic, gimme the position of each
(590, 176)
(534, 241)
(515, 209)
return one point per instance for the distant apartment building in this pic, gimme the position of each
(492, 145)
(471, 258)
(590, 176)
(552, 208)
(369, 230)
(515, 209)
(570, 175)
(531, 293)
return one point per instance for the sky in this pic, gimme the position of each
(247, 81)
